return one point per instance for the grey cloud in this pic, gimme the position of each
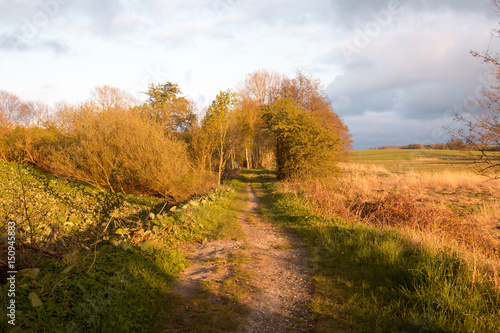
(280, 13)
(46, 14)
(56, 46)
(283, 13)
(411, 101)
(224, 7)
(12, 12)
(467, 6)
(386, 130)
(351, 14)
(41, 14)
(417, 75)
(11, 42)
(30, 26)
(432, 99)
(102, 14)
(15, 42)
(399, 88)
(376, 100)
(337, 14)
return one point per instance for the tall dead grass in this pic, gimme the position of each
(367, 178)
(458, 210)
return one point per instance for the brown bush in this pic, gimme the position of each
(27, 145)
(404, 211)
(118, 150)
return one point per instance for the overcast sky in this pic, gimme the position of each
(395, 70)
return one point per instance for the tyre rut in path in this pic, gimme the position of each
(279, 268)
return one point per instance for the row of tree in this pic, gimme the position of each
(456, 144)
(165, 147)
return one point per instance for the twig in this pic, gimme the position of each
(41, 249)
(97, 242)
(107, 225)
(95, 257)
(162, 208)
(24, 202)
(61, 280)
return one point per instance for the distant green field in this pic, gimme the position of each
(416, 159)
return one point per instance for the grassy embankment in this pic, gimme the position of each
(107, 261)
(387, 261)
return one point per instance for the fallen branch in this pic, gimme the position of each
(41, 249)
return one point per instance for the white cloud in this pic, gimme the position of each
(129, 21)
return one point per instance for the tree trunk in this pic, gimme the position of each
(221, 160)
(247, 155)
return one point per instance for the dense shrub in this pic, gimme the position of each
(28, 145)
(118, 150)
(305, 145)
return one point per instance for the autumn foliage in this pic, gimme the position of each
(163, 147)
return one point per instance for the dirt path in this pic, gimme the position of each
(278, 269)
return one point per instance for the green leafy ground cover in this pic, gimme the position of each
(374, 280)
(116, 255)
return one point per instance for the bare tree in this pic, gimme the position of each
(107, 97)
(258, 90)
(13, 111)
(480, 128)
(261, 86)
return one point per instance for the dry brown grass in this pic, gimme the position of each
(366, 178)
(362, 168)
(459, 210)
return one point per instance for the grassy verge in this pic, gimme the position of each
(370, 279)
(109, 260)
